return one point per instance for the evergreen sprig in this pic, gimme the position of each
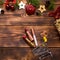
(1, 2)
(35, 3)
(51, 6)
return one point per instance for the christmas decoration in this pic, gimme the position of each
(37, 12)
(8, 1)
(42, 8)
(30, 9)
(55, 14)
(9, 4)
(1, 11)
(8, 7)
(21, 5)
(35, 3)
(1, 2)
(49, 4)
(57, 24)
(16, 5)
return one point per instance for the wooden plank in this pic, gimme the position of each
(11, 36)
(12, 28)
(26, 21)
(25, 53)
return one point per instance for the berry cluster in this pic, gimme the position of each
(8, 7)
(55, 14)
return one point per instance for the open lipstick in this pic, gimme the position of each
(28, 41)
(28, 34)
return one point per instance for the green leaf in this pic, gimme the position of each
(51, 7)
(1, 2)
(35, 3)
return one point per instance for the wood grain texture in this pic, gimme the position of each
(24, 54)
(26, 21)
(12, 27)
(11, 36)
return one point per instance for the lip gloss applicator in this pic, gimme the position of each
(44, 36)
(34, 37)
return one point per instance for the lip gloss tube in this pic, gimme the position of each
(28, 41)
(29, 35)
(34, 37)
(44, 36)
(45, 39)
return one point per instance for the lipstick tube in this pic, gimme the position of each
(28, 41)
(29, 35)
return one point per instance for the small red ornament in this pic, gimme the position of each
(30, 9)
(51, 14)
(55, 14)
(9, 4)
(12, 8)
(7, 7)
(58, 9)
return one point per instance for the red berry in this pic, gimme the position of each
(12, 8)
(58, 9)
(57, 16)
(51, 14)
(7, 7)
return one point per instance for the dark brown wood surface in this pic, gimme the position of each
(12, 27)
(25, 54)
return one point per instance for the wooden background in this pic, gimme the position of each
(12, 27)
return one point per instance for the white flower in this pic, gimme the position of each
(42, 8)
